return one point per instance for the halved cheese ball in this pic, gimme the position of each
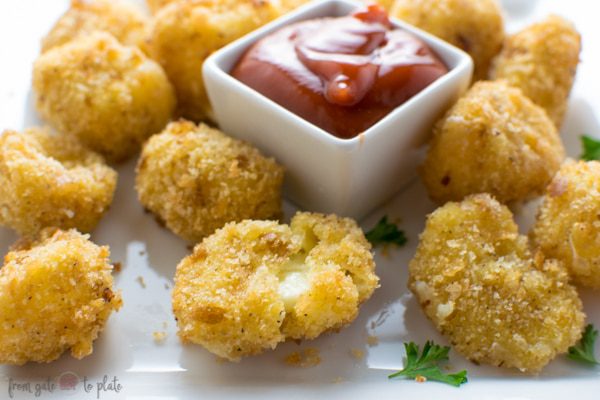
(498, 302)
(568, 221)
(56, 294)
(254, 284)
(50, 179)
(112, 97)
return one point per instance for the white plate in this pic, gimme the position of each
(147, 370)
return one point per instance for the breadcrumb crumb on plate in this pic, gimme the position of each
(306, 358)
(159, 337)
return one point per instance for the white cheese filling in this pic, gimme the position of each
(293, 281)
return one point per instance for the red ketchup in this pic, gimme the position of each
(341, 74)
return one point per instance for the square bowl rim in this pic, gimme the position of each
(212, 69)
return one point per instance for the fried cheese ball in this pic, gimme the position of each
(289, 5)
(478, 282)
(50, 179)
(475, 26)
(493, 140)
(568, 222)
(186, 32)
(56, 293)
(116, 17)
(284, 5)
(110, 96)
(155, 5)
(254, 284)
(542, 60)
(195, 179)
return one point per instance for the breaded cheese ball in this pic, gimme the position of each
(475, 26)
(186, 32)
(195, 179)
(56, 293)
(478, 282)
(568, 222)
(290, 5)
(155, 5)
(542, 60)
(112, 97)
(116, 17)
(493, 140)
(254, 284)
(49, 179)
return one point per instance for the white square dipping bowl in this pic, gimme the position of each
(349, 177)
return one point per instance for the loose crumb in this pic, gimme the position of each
(420, 379)
(361, 138)
(338, 380)
(372, 340)
(306, 358)
(159, 337)
(385, 251)
(141, 281)
(117, 267)
(357, 354)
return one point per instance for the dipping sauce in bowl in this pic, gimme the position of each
(341, 74)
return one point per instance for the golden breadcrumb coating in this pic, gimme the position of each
(568, 222)
(50, 179)
(155, 5)
(116, 17)
(110, 96)
(186, 32)
(493, 140)
(480, 285)
(254, 284)
(283, 5)
(56, 293)
(289, 5)
(542, 60)
(195, 179)
(476, 26)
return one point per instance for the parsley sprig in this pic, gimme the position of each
(584, 350)
(386, 233)
(591, 148)
(426, 365)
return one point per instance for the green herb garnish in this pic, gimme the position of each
(426, 366)
(584, 350)
(591, 148)
(385, 232)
